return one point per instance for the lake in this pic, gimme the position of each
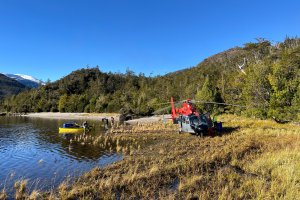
(32, 149)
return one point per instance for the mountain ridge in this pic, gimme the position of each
(9, 86)
(28, 81)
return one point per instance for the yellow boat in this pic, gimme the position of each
(71, 130)
(70, 127)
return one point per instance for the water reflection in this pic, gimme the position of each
(32, 149)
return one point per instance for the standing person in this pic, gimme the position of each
(85, 125)
(112, 122)
(105, 121)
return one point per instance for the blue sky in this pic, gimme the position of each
(51, 38)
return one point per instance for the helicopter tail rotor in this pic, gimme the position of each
(173, 109)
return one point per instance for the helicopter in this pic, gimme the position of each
(191, 121)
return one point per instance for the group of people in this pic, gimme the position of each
(105, 121)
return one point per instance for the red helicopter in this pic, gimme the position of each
(187, 108)
(191, 121)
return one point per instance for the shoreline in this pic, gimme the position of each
(72, 116)
(95, 116)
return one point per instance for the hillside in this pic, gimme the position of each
(9, 86)
(261, 76)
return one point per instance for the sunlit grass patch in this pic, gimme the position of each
(281, 172)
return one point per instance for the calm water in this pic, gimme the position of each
(32, 149)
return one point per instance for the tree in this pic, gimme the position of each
(296, 104)
(206, 94)
(257, 89)
(284, 81)
(62, 103)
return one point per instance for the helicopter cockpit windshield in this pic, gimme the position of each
(203, 119)
(195, 120)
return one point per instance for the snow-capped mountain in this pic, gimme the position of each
(26, 80)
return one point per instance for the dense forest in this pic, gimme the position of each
(261, 76)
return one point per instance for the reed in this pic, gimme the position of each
(62, 189)
(3, 195)
(35, 195)
(20, 188)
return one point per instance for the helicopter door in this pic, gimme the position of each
(187, 121)
(180, 119)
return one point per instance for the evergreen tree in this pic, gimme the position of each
(284, 80)
(206, 94)
(296, 105)
(62, 103)
(257, 90)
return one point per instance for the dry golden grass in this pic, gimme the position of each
(253, 159)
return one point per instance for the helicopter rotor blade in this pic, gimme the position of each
(167, 108)
(161, 110)
(169, 102)
(218, 103)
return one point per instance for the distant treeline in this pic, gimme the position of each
(262, 76)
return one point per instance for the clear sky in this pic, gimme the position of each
(51, 38)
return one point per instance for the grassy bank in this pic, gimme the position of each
(253, 159)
